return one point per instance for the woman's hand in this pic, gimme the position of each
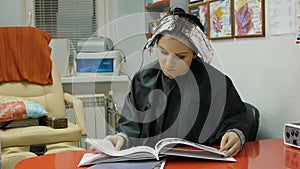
(117, 140)
(230, 143)
(93, 150)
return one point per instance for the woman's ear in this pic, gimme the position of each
(194, 56)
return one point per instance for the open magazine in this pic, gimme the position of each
(164, 147)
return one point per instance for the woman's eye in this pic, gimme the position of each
(164, 52)
(181, 56)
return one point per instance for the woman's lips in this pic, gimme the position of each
(169, 69)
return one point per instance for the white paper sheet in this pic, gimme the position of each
(282, 16)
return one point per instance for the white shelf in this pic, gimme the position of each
(93, 78)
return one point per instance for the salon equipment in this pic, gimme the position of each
(291, 134)
(100, 63)
(94, 44)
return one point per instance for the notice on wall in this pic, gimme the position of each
(282, 16)
(298, 36)
(298, 8)
(298, 22)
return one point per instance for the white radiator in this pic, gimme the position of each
(101, 115)
(95, 114)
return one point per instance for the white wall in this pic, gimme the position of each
(127, 28)
(266, 71)
(10, 13)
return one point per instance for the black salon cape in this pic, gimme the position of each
(152, 79)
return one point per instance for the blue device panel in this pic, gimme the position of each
(95, 65)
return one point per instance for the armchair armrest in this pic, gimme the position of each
(77, 110)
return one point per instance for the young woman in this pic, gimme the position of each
(181, 94)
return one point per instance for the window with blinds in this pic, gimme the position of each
(72, 19)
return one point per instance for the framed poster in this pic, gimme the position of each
(194, 1)
(220, 19)
(200, 9)
(249, 18)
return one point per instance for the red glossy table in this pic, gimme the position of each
(262, 154)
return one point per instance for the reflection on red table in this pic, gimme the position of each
(64, 160)
(262, 154)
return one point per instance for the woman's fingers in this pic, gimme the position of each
(230, 144)
(118, 141)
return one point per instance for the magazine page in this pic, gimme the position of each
(145, 164)
(202, 154)
(108, 148)
(167, 142)
(90, 158)
(95, 158)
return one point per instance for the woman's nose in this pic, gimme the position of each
(169, 61)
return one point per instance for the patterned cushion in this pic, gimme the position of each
(16, 110)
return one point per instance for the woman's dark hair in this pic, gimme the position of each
(191, 18)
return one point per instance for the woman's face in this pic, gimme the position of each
(174, 56)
